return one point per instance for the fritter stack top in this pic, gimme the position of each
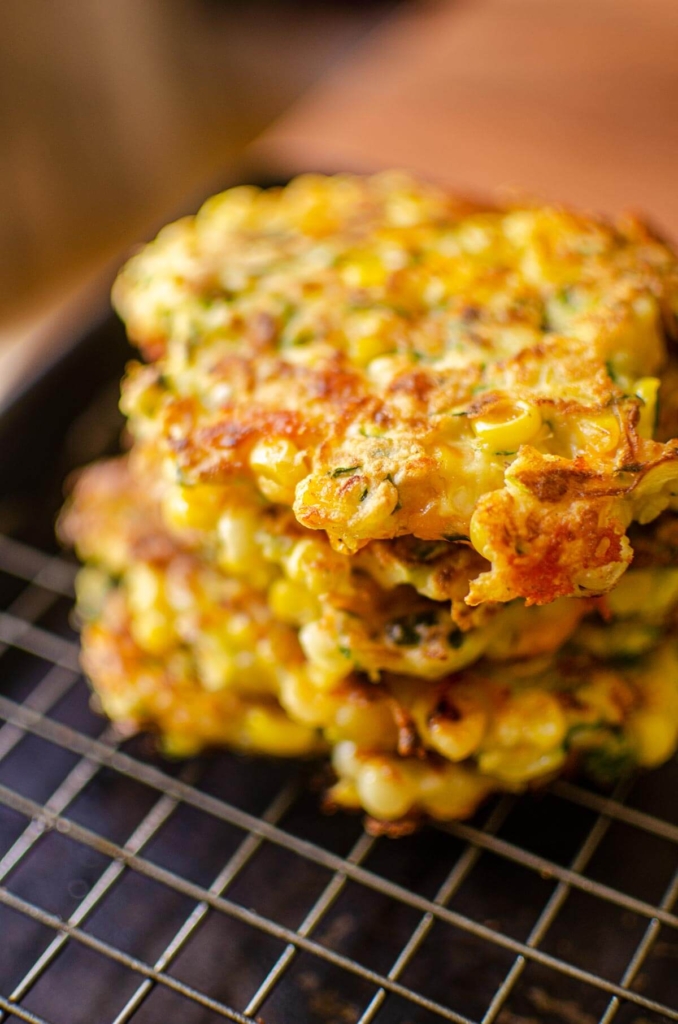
(388, 362)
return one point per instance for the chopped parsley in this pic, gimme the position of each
(408, 631)
(455, 638)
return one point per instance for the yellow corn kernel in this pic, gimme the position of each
(655, 591)
(329, 664)
(606, 696)
(380, 503)
(369, 335)
(91, 587)
(216, 665)
(519, 765)
(604, 577)
(193, 508)
(153, 632)
(145, 588)
(271, 732)
(365, 270)
(656, 479)
(240, 628)
(654, 735)
(507, 425)
(291, 602)
(238, 551)
(304, 702)
(602, 432)
(152, 624)
(455, 737)
(385, 789)
(454, 792)
(316, 566)
(531, 717)
(345, 794)
(345, 760)
(300, 563)
(363, 350)
(226, 211)
(369, 724)
(647, 389)
(119, 707)
(178, 744)
(279, 466)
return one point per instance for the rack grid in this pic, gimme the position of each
(137, 889)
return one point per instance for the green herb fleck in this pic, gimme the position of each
(346, 651)
(343, 470)
(609, 761)
(566, 295)
(426, 551)
(407, 631)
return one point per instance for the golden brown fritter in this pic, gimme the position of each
(175, 645)
(388, 361)
(359, 613)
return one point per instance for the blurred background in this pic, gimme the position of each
(113, 112)
(118, 114)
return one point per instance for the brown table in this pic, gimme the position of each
(574, 100)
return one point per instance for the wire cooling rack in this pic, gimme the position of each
(136, 889)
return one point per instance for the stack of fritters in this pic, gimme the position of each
(393, 456)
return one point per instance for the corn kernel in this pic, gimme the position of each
(328, 663)
(305, 702)
(454, 792)
(654, 736)
(385, 790)
(345, 794)
(530, 717)
(519, 765)
(365, 270)
(456, 738)
(271, 732)
(507, 425)
(238, 551)
(370, 726)
(363, 350)
(194, 508)
(279, 466)
(647, 389)
(216, 665)
(292, 603)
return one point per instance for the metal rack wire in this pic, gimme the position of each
(216, 890)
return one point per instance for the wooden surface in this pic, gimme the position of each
(574, 100)
(116, 116)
